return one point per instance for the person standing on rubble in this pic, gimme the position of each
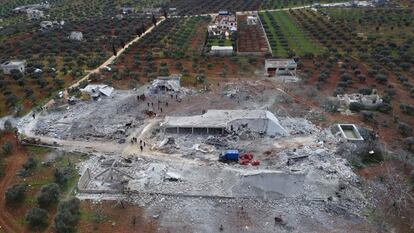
(140, 147)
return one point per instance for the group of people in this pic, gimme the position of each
(141, 143)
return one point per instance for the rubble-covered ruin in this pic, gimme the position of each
(165, 84)
(174, 152)
(368, 102)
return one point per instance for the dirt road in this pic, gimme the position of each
(106, 63)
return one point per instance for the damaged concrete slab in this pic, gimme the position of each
(221, 121)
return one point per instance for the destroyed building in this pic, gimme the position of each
(368, 102)
(97, 90)
(166, 84)
(9, 66)
(48, 25)
(280, 67)
(222, 121)
(33, 14)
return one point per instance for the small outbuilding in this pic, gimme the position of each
(75, 35)
(9, 66)
(252, 20)
(221, 50)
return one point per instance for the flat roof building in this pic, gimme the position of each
(221, 50)
(222, 121)
(280, 67)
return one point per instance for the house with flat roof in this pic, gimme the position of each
(9, 66)
(280, 67)
(223, 121)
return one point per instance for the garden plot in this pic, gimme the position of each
(250, 38)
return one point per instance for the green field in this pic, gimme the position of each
(285, 37)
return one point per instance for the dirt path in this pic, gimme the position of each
(106, 63)
(14, 163)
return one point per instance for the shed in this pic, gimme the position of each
(222, 50)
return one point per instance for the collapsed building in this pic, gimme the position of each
(222, 121)
(280, 68)
(166, 84)
(368, 102)
(48, 25)
(33, 14)
(96, 90)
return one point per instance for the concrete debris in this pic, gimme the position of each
(299, 175)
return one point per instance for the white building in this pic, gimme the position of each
(8, 66)
(75, 35)
(221, 50)
(222, 121)
(280, 67)
(33, 14)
